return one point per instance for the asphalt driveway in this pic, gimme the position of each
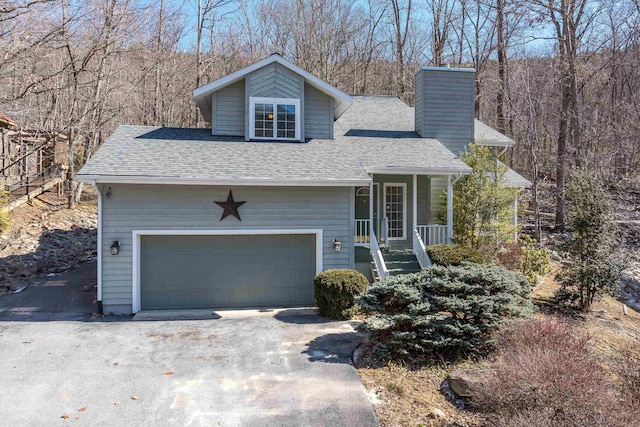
(283, 370)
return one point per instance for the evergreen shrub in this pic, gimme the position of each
(454, 255)
(336, 290)
(444, 312)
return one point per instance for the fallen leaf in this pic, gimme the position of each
(64, 416)
(169, 373)
(84, 408)
(134, 397)
(116, 403)
(27, 342)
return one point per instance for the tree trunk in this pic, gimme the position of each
(502, 64)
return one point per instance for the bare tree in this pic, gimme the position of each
(441, 12)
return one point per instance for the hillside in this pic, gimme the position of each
(46, 237)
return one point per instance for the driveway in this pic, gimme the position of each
(283, 370)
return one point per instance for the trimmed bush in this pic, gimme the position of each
(444, 312)
(454, 255)
(336, 290)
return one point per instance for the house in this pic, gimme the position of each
(292, 178)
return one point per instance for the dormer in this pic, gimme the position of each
(271, 100)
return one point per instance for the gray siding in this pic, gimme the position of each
(318, 114)
(445, 107)
(438, 189)
(424, 200)
(229, 110)
(150, 207)
(274, 81)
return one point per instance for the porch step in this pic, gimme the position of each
(400, 261)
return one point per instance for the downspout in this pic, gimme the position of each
(99, 261)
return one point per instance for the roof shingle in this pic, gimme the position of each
(374, 133)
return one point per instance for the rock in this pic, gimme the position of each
(436, 414)
(374, 395)
(461, 381)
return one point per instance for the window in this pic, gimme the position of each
(275, 118)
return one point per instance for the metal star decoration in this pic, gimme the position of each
(230, 207)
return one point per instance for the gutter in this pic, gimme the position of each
(418, 171)
(121, 179)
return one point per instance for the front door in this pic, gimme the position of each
(395, 202)
(362, 205)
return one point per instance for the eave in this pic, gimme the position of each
(151, 180)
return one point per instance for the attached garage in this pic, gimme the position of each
(225, 270)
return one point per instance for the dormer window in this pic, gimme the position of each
(275, 118)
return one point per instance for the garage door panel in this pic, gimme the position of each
(179, 272)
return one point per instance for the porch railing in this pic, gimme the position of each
(433, 234)
(362, 237)
(420, 251)
(377, 257)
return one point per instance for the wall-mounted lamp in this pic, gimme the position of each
(115, 247)
(108, 193)
(337, 245)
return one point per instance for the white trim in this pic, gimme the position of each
(343, 100)
(371, 220)
(449, 210)
(363, 188)
(417, 171)
(136, 234)
(275, 102)
(404, 206)
(122, 179)
(415, 204)
(493, 143)
(99, 244)
(464, 70)
(376, 187)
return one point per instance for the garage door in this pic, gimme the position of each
(181, 272)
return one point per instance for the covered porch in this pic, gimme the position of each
(402, 212)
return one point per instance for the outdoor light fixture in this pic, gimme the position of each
(115, 247)
(108, 193)
(337, 245)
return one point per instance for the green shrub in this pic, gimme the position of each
(336, 290)
(454, 255)
(595, 262)
(526, 257)
(445, 312)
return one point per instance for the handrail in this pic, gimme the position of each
(27, 181)
(433, 234)
(377, 257)
(420, 251)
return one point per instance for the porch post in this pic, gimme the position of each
(415, 204)
(515, 218)
(449, 210)
(371, 210)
